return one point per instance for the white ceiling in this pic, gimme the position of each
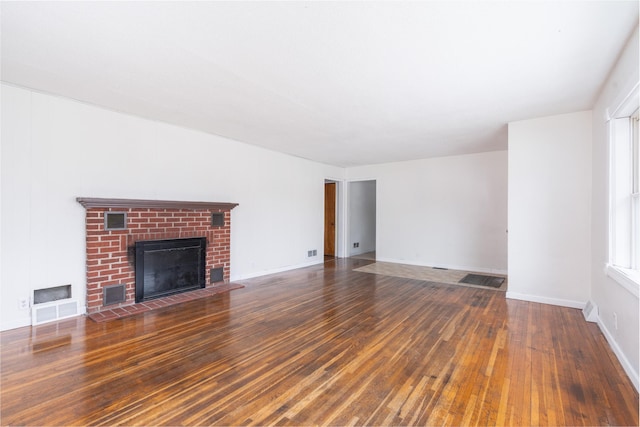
(343, 83)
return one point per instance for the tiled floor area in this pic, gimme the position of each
(130, 310)
(371, 256)
(429, 274)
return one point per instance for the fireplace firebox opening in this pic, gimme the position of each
(166, 267)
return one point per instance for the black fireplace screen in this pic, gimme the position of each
(165, 267)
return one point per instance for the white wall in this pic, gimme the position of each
(362, 217)
(55, 149)
(446, 212)
(549, 209)
(609, 296)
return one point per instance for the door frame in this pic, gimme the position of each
(340, 238)
(330, 215)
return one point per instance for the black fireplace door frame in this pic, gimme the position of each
(167, 245)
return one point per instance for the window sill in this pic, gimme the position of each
(628, 279)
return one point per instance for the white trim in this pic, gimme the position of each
(546, 300)
(274, 271)
(447, 266)
(626, 365)
(628, 279)
(342, 216)
(626, 106)
(14, 324)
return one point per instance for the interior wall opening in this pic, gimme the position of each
(361, 209)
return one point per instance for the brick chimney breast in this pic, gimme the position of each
(110, 254)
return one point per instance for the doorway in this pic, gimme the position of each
(361, 236)
(330, 219)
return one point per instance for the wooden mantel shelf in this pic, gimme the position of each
(93, 202)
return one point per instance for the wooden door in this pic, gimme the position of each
(330, 219)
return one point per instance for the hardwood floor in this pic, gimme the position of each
(321, 345)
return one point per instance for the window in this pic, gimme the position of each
(624, 253)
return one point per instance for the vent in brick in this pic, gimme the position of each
(217, 219)
(113, 294)
(41, 296)
(115, 220)
(217, 274)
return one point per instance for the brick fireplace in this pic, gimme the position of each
(113, 226)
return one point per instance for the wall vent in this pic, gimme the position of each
(113, 294)
(115, 221)
(217, 219)
(216, 274)
(51, 294)
(56, 310)
(590, 312)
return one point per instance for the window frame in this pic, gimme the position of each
(635, 191)
(627, 275)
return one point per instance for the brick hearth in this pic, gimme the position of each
(110, 253)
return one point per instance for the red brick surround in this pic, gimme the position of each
(110, 253)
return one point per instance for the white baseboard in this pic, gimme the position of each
(546, 300)
(628, 367)
(15, 324)
(21, 323)
(447, 266)
(274, 271)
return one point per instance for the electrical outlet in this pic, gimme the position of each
(23, 303)
(309, 254)
(315, 252)
(356, 245)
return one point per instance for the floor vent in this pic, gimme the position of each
(56, 310)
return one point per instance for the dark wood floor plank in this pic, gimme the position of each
(322, 345)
